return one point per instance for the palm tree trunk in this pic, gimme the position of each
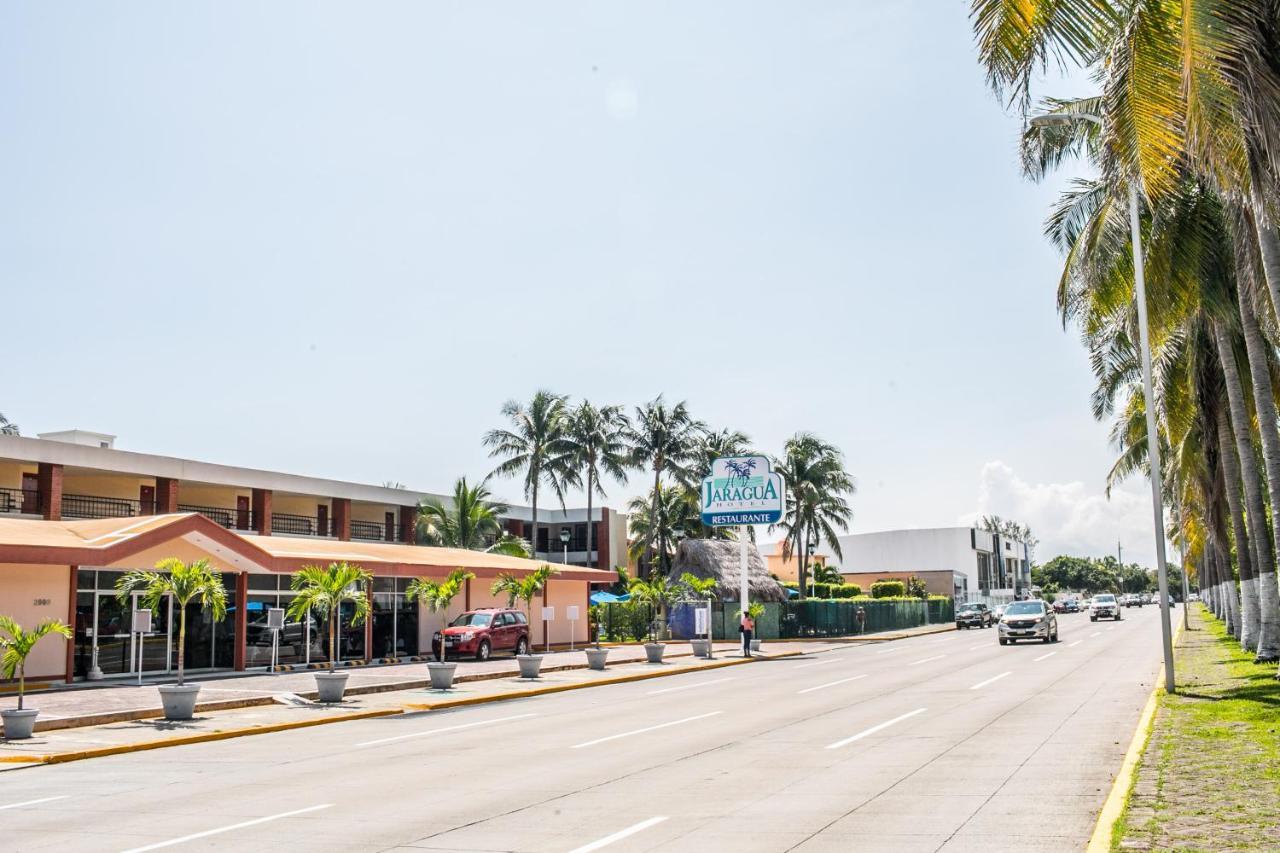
(1269, 248)
(1264, 402)
(647, 565)
(333, 636)
(591, 525)
(1249, 616)
(182, 640)
(22, 683)
(533, 531)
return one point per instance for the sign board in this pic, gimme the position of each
(548, 614)
(571, 613)
(275, 618)
(742, 490)
(700, 621)
(142, 621)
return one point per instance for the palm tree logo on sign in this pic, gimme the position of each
(742, 490)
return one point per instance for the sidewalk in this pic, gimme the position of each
(291, 712)
(95, 703)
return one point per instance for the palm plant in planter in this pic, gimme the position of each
(14, 649)
(701, 589)
(658, 593)
(324, 589)
(524, 589)
(436, 596)
(184, 583)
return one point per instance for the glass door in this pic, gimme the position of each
(116, 646)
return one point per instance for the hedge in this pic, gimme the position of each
(888, 589)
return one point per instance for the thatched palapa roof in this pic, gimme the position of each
(722, 559)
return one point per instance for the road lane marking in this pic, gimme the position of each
(1095, 634)
(1042, 657)
(619, 835)
(864, 733)
(689, 686)
(646, 729)
(979, 646)
(830, 684)
(926, 660)
(815, 663)
(1073, 645)
(990, 680)
(223, 829)
(888, 651)
(445, 729)
(33, 802)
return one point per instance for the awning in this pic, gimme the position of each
(608, 598)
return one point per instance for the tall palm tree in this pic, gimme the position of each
(593, 439)
(324, 589)
(666, 517)
(7, 428)
(471, 520)
(817, 508)
(184, 583)
(663, 439)
(535, 448)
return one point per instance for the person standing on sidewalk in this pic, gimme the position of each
(747, 627)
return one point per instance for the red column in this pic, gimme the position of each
(262, 511)
(342, 518)
(71, 620)
(49, 480)
(409, 524)
(466, 597)
(242, 619)
(166, 495)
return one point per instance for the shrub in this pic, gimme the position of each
(888, 589)
(846, 590)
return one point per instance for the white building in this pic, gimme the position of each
(994, 567)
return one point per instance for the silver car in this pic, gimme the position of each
(1028, 620)
(1104, 606)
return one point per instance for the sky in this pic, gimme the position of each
(332, 239)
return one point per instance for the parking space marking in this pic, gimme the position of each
(646, 729)
(619, 835)
(1042, 657)
(446, 729)
(926, 660)
(690, 686)
(230, 828)
(830, 684)
(32, 802)
(866, 732)
(991, 680)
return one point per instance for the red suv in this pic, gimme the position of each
(483, 632)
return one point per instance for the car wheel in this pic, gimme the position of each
(1093, 618)
(483, 651)
(1118, 617)
(1003, 641)
(522, 646)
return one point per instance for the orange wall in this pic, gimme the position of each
(23, 592)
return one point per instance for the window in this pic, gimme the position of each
(520, 620)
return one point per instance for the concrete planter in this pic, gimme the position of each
(441, 675)
(597, 657)
(18, 725)
(701, 648)
(529, 665)
(179, 700)
(755, 645)
(331, 686)
(653, 652)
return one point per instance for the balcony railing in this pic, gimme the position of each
(97, 506)
(19, 500)
(300, 525)
(372, 531)
(232, 519)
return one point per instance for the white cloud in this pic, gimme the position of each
(1067, 517)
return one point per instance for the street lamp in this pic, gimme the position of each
(810, 546)
(1153, 437)
(565, 535)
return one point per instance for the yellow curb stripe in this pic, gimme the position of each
(1100, 841)
(21, 759)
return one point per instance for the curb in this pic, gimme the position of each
(1100, 841)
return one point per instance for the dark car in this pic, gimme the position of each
(974, 613)
(1028, 620)
(483, 632)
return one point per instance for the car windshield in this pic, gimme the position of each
(1024, 608)
(1104, 599)
(473, 620)
(970, 607)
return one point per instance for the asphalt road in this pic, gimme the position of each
(948, 742)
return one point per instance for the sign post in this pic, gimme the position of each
(548, 616)
(742, 491)
(571, 613)
(275, 623)
(141, 627)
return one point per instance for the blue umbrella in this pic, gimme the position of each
(604, 597)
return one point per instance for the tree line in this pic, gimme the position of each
(1186, 126)
(1091, 575)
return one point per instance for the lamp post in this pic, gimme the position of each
(565, 535)
(1153, 437)
(811, 545)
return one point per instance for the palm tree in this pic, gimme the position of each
(658, 592)
(471, 520)
(7, 428)
(665, 518)
(184, 583)
(534, 448)
(524, 588)
(817, 483)
(324, 589)
(15, 647)
(594, 443)
(664, 440)
(436, 596)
